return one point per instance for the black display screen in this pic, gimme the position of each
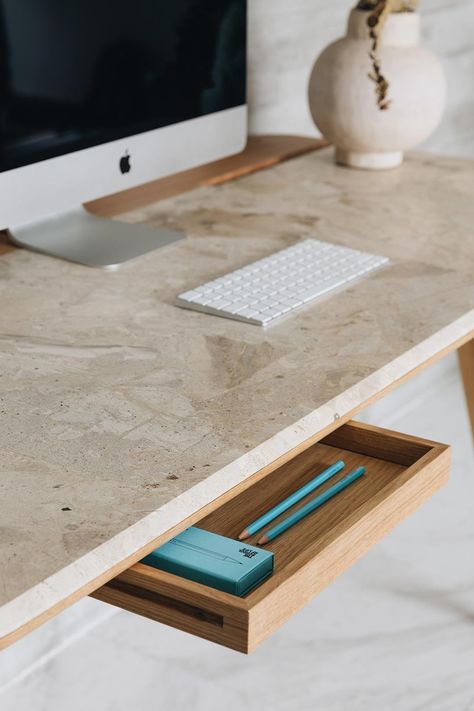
(78, 73)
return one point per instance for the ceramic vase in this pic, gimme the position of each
(343, 101)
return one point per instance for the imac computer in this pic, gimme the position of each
(97, 96)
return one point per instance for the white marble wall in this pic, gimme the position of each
(287, 35)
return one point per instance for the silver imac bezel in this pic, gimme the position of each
(49, 187)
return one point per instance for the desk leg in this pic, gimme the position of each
(466, 362)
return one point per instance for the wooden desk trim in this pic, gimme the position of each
(466, 364)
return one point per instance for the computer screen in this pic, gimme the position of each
(77, 74)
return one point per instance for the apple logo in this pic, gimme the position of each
(124, 164)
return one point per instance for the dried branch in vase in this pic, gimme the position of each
(378, 11)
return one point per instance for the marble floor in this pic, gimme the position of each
(395, 632)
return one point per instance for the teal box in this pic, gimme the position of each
(213, 560)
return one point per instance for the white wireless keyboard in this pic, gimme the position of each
(277, 285)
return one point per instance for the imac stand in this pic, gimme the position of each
(79, 236)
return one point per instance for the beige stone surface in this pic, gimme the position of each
(133, 413)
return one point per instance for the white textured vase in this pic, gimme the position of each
(343, 101)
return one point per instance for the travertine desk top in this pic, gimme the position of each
(132, 414)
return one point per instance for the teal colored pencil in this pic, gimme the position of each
(312, 505)
(292, 500)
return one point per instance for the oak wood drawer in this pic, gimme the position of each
(402, 472)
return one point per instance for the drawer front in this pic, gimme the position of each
(402, 472)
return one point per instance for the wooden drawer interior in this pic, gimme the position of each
(402, 472)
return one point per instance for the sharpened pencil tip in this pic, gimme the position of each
(262, 541)
(245, 534)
